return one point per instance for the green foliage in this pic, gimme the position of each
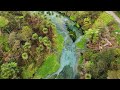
(88, 54)
(4, 43)
(40, 48)
(59, 41)
(116, 32)
(27, 46)
(9, 70)
(29, 71)
(40, 39)
(88, 66)
(87, 76)
(16, 45)
(46, 41)
(113, 74)
(3, 21)
(77, 25)
(25, 56)
(49, 66)
(82, 43)
(12, 38)
(86, 23)
(73, 18)
(117, 13)
(22, 41)
(35, 36)
(117, 52)
(92, 34)
(26, 33)
(103, 20)
(80, 60)
(99, 63)
(45, 30)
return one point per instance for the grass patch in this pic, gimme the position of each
(80, 61)
(59, 43)
(82, 43)
(103, 20)
(50, 66)
(29, 71)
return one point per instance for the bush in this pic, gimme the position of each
(29, 71)
(25, 56)
(3, 21)
(35, 36)
(9, 70)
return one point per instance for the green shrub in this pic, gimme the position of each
(45, 30)
(40, 48)
(29, 71)
(9, 70)
(4, 43)
(40, 39)
(26, 33)
(87, 76)
(113, 74)
(3, 21)
(25, 56)
(27, 46)
(35, 36)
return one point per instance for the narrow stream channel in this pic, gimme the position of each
(68, 60)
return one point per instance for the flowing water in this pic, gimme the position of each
(68, 60)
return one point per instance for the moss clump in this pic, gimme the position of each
(9, 70)
(46, 41)
(24, 56)
(29, 71)
(87, 76)
(45, 30)
(26, 33)
(40, 39)
(40, 48)
(35, 36)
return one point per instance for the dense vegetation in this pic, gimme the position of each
(101, 56)
(26, 44)
(30, 46)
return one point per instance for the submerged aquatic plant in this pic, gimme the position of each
(25, 56)
(35, 36)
